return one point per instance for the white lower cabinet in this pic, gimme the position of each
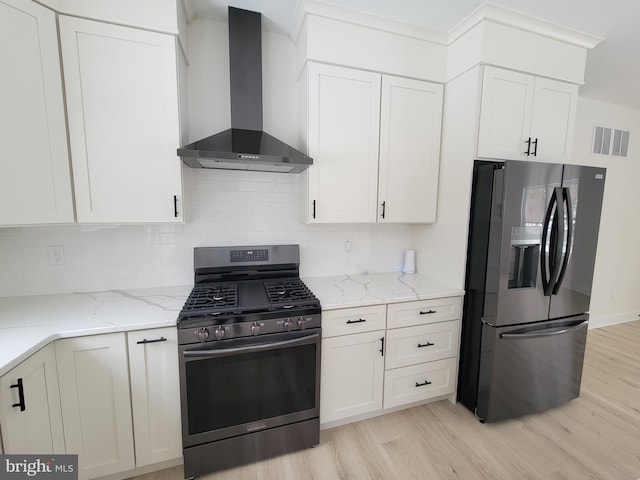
(30, 414)
(112, 399)
(386, 356)
(93, 375)
(352, 363)
(155, 397)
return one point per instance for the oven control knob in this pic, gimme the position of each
(219, 332)
(302, 322)
(255, 328)
(202, 334)
(287, 324)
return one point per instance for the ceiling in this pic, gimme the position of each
(612, 72)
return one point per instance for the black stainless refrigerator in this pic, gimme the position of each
(533, 232)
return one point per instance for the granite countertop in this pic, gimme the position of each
(343, 291)
(29, 323)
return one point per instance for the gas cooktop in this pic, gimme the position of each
(246, 284)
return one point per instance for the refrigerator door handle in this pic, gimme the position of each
(566, 199)
(549, 262)
(544, 333)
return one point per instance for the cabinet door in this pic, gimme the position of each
(121, 88)
(155, 395)
(352, 373)
(38, 428)
(553, 119)
(410, 127)
(343, 136)
(505, 114)
(35, 181)
(94, 391)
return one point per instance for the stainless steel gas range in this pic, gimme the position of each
(249, 345)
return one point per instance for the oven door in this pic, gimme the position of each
(237, 386)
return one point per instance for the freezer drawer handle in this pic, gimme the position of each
(428, 344)
(426, 382)
(20, 388)
(428, 312)
(360, 320)
(507, 336)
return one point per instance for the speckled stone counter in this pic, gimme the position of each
(29, 323)
(343, 291)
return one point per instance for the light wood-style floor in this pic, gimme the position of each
(596, 436)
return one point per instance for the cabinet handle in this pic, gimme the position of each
(144, 340)
(428, 312)
(384, 207)
(20, 388)
(428, 344)
(535, 147)
(360, 320)
(528, 142)
(426, 382)
(381, 347)
(175, 206)
(313, 215)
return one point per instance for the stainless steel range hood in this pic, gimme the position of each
(245, 146)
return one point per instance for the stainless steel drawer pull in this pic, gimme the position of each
(426, 382)
(428, 312)
(428, 344)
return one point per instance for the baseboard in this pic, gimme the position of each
(606, 320)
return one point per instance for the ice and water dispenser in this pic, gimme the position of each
(524, 256)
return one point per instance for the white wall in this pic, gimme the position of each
(616, 285)
(222, 208)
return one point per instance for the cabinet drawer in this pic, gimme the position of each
(424, 343)
(353, 320)
(425, 311)
(407, 385)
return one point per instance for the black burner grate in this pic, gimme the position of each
(221, 297)
(288, 292)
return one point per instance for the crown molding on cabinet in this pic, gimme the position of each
(313, 7)
(491, 12)
(486, 12)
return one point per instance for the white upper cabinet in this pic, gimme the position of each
(122, 102)
(410, 125)
(525, 117)
(343, 136)
(375, 142)
(35, 185)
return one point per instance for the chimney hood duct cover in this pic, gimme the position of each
(245, 146)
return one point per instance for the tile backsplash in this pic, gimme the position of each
(221, 208)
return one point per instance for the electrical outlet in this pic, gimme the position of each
(56, 255)
(347, 246)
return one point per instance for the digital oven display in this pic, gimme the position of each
(258, 255)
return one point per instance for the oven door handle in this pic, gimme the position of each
(223, 352)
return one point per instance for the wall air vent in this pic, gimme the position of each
(609, 141)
